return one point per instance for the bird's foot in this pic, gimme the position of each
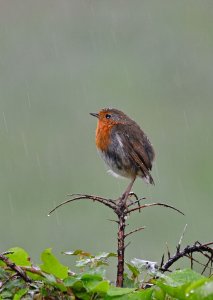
(126, 197)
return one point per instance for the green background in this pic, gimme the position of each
(60, 60)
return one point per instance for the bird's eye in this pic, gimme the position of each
(108, 116)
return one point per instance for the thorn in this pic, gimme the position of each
(168, 252)
(162, 261)
(181, 238)
(113, 220)
(127, 245)
(133, 231)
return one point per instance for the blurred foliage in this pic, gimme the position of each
(60, 60)
(56, 281)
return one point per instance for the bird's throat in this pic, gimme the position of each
(103, 135)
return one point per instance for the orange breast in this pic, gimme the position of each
(103, 135)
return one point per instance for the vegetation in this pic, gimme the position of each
(22, 279)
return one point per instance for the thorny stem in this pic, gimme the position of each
(121, 246)
(187, 252)
(122, 209)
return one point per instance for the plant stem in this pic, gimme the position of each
(121, 249)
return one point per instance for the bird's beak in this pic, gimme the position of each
(94, 115)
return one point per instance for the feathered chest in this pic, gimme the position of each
(103, 136)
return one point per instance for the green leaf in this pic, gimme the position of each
(19, 294)
(6, 295)
(114, 291)
(92, 281)
(135, 271)
(100, 288)
(184, 276)
(132, 295)
(52, 266)
(177, 283)
(19, 256)
(200, 290)
(129, 282)
(91, 277)
(70, 281)
(78, 287)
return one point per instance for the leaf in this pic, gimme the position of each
(105, 255)
(19, 256)
(19, 294)
(52, 266)
(100, 288)
(78, 252)
(83, 262)
(200, 291)
(6, 295)
(135, 271)
(91, 277)
(95, 284)
(135, 295)
(70, 281)
(184, 276)
(114, 291)
(177, 283)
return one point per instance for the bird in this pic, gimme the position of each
(124, 147)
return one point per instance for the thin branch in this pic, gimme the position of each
(154, 204)
(133, 194)
(115, 221)
(207, 244)
(39, 272)
(136, 202)
(207, 265)
(92, 196)
(104, 201)
(15, 268)
(192, 260)
(133, 231)
(185, 252)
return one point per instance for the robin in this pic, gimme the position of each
(124, 147)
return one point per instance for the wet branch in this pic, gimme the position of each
(188, 252)
(154, 204)
(11, 265)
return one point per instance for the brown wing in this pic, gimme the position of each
(139, 149)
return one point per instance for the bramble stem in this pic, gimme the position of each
(121, 250)
(122, 209)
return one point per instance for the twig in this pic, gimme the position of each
(154, 204)
(15, 268)
(133, 231)
(93, 197)
(185, 252)
(115, 221)
(104, 201)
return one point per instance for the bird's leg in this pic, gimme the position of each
(125, 195)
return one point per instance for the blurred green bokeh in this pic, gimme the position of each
(60, 60)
